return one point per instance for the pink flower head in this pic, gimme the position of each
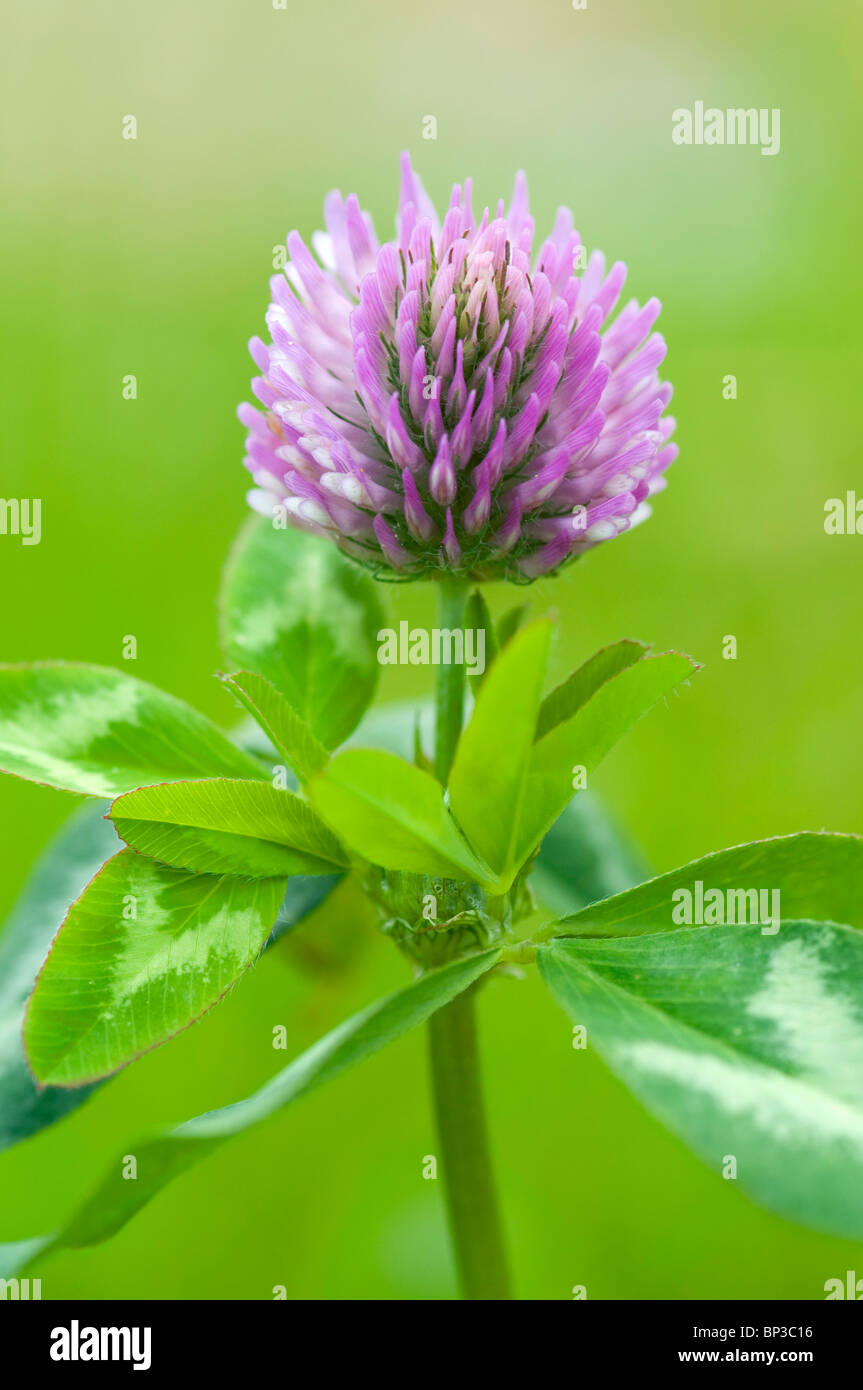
(452, 400)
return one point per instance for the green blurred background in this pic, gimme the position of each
(152, 257)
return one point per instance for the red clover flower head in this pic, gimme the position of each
(450, 402)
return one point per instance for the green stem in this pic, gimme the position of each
(467, 1171)
(449, 691)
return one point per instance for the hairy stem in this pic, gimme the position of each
(449, 692)
(467, 1172)
(459, 1111)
